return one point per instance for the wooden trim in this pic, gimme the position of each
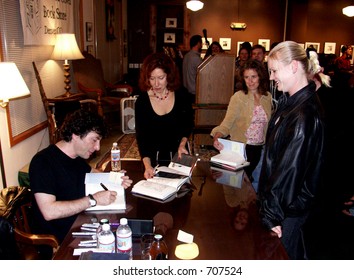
(26, 134)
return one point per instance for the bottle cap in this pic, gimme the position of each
(104, 221)
(158, 236)
(115, 144)
(106, 227)
(123, 221)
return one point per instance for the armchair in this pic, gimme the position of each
(15, 207)
(90, 79)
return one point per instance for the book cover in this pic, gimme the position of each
(232, 156)
(112, 181)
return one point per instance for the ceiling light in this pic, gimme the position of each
(195, 5)
(348, 11)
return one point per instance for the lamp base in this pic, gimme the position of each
(67, 80)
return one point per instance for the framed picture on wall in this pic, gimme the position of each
(171, 22)
(90, 49)
(329, 48)
(169, 38)
(265, 43)
(204, 44)
(316, 46)
(89, 32)
(225, 43)
(302, 45)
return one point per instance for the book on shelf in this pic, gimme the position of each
(168, 179)
(113, 182)
(232, 156)
(228, 177)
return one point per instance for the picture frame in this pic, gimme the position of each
(89, 32)
(90, 49)
(225, 43)
(239, 43)
(171, 22)
(169, 38)
(302, 45)
(265, 43)
(204, 45)
(316, 46)
(329, 48)
(340, 53)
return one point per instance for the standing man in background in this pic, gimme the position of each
(190, 64)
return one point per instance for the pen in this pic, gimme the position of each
(104, 187)
(155, 169)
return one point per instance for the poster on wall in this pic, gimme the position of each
(43, 19)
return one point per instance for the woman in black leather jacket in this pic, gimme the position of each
(294, 150)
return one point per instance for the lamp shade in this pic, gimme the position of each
(195, 5)
(12, 84)
(348, 11)
(66, 47)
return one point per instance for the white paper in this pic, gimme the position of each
(185, 237)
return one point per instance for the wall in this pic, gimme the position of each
(306, 20)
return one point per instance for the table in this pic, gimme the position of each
(207, 212)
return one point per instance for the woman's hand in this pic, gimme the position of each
(149, 172)
(216, 142)
(277, 230)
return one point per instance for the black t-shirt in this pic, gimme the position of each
(51, 171)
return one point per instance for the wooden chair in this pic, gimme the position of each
(90, 79)
(15, 206)
(57, 108)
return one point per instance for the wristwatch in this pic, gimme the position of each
(93, 201)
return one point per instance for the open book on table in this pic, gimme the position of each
(168, 180)
(182, 166)
(232, 156)
(113, 182)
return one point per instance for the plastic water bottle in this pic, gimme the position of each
(115, 158)
(99, 229)
(158, 250)
(124, 238)
(106, 239)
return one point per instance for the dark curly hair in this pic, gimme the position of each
(262, 74)
(163, 62)
(82, 122)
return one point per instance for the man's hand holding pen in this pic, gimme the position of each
(105, 197)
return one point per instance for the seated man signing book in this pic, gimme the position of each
(57, 175)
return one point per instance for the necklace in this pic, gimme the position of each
(163, 97)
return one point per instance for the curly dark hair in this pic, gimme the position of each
(262, 74)
(82, 122)
(163, 62)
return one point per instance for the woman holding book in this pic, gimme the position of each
(163, 113)
(248, 114)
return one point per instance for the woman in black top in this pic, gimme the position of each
(163, 113)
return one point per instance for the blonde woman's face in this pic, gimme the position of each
(281, 74)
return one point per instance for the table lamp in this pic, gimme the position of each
(66, 48)
(12, 84)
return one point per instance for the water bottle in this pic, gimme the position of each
(158, 250)
(106, 239)
(124, 238)
(99, 229)
(115, 158)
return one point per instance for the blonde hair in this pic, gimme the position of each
(287, 51)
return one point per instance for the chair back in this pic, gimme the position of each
(15, 207)
(89, 72)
